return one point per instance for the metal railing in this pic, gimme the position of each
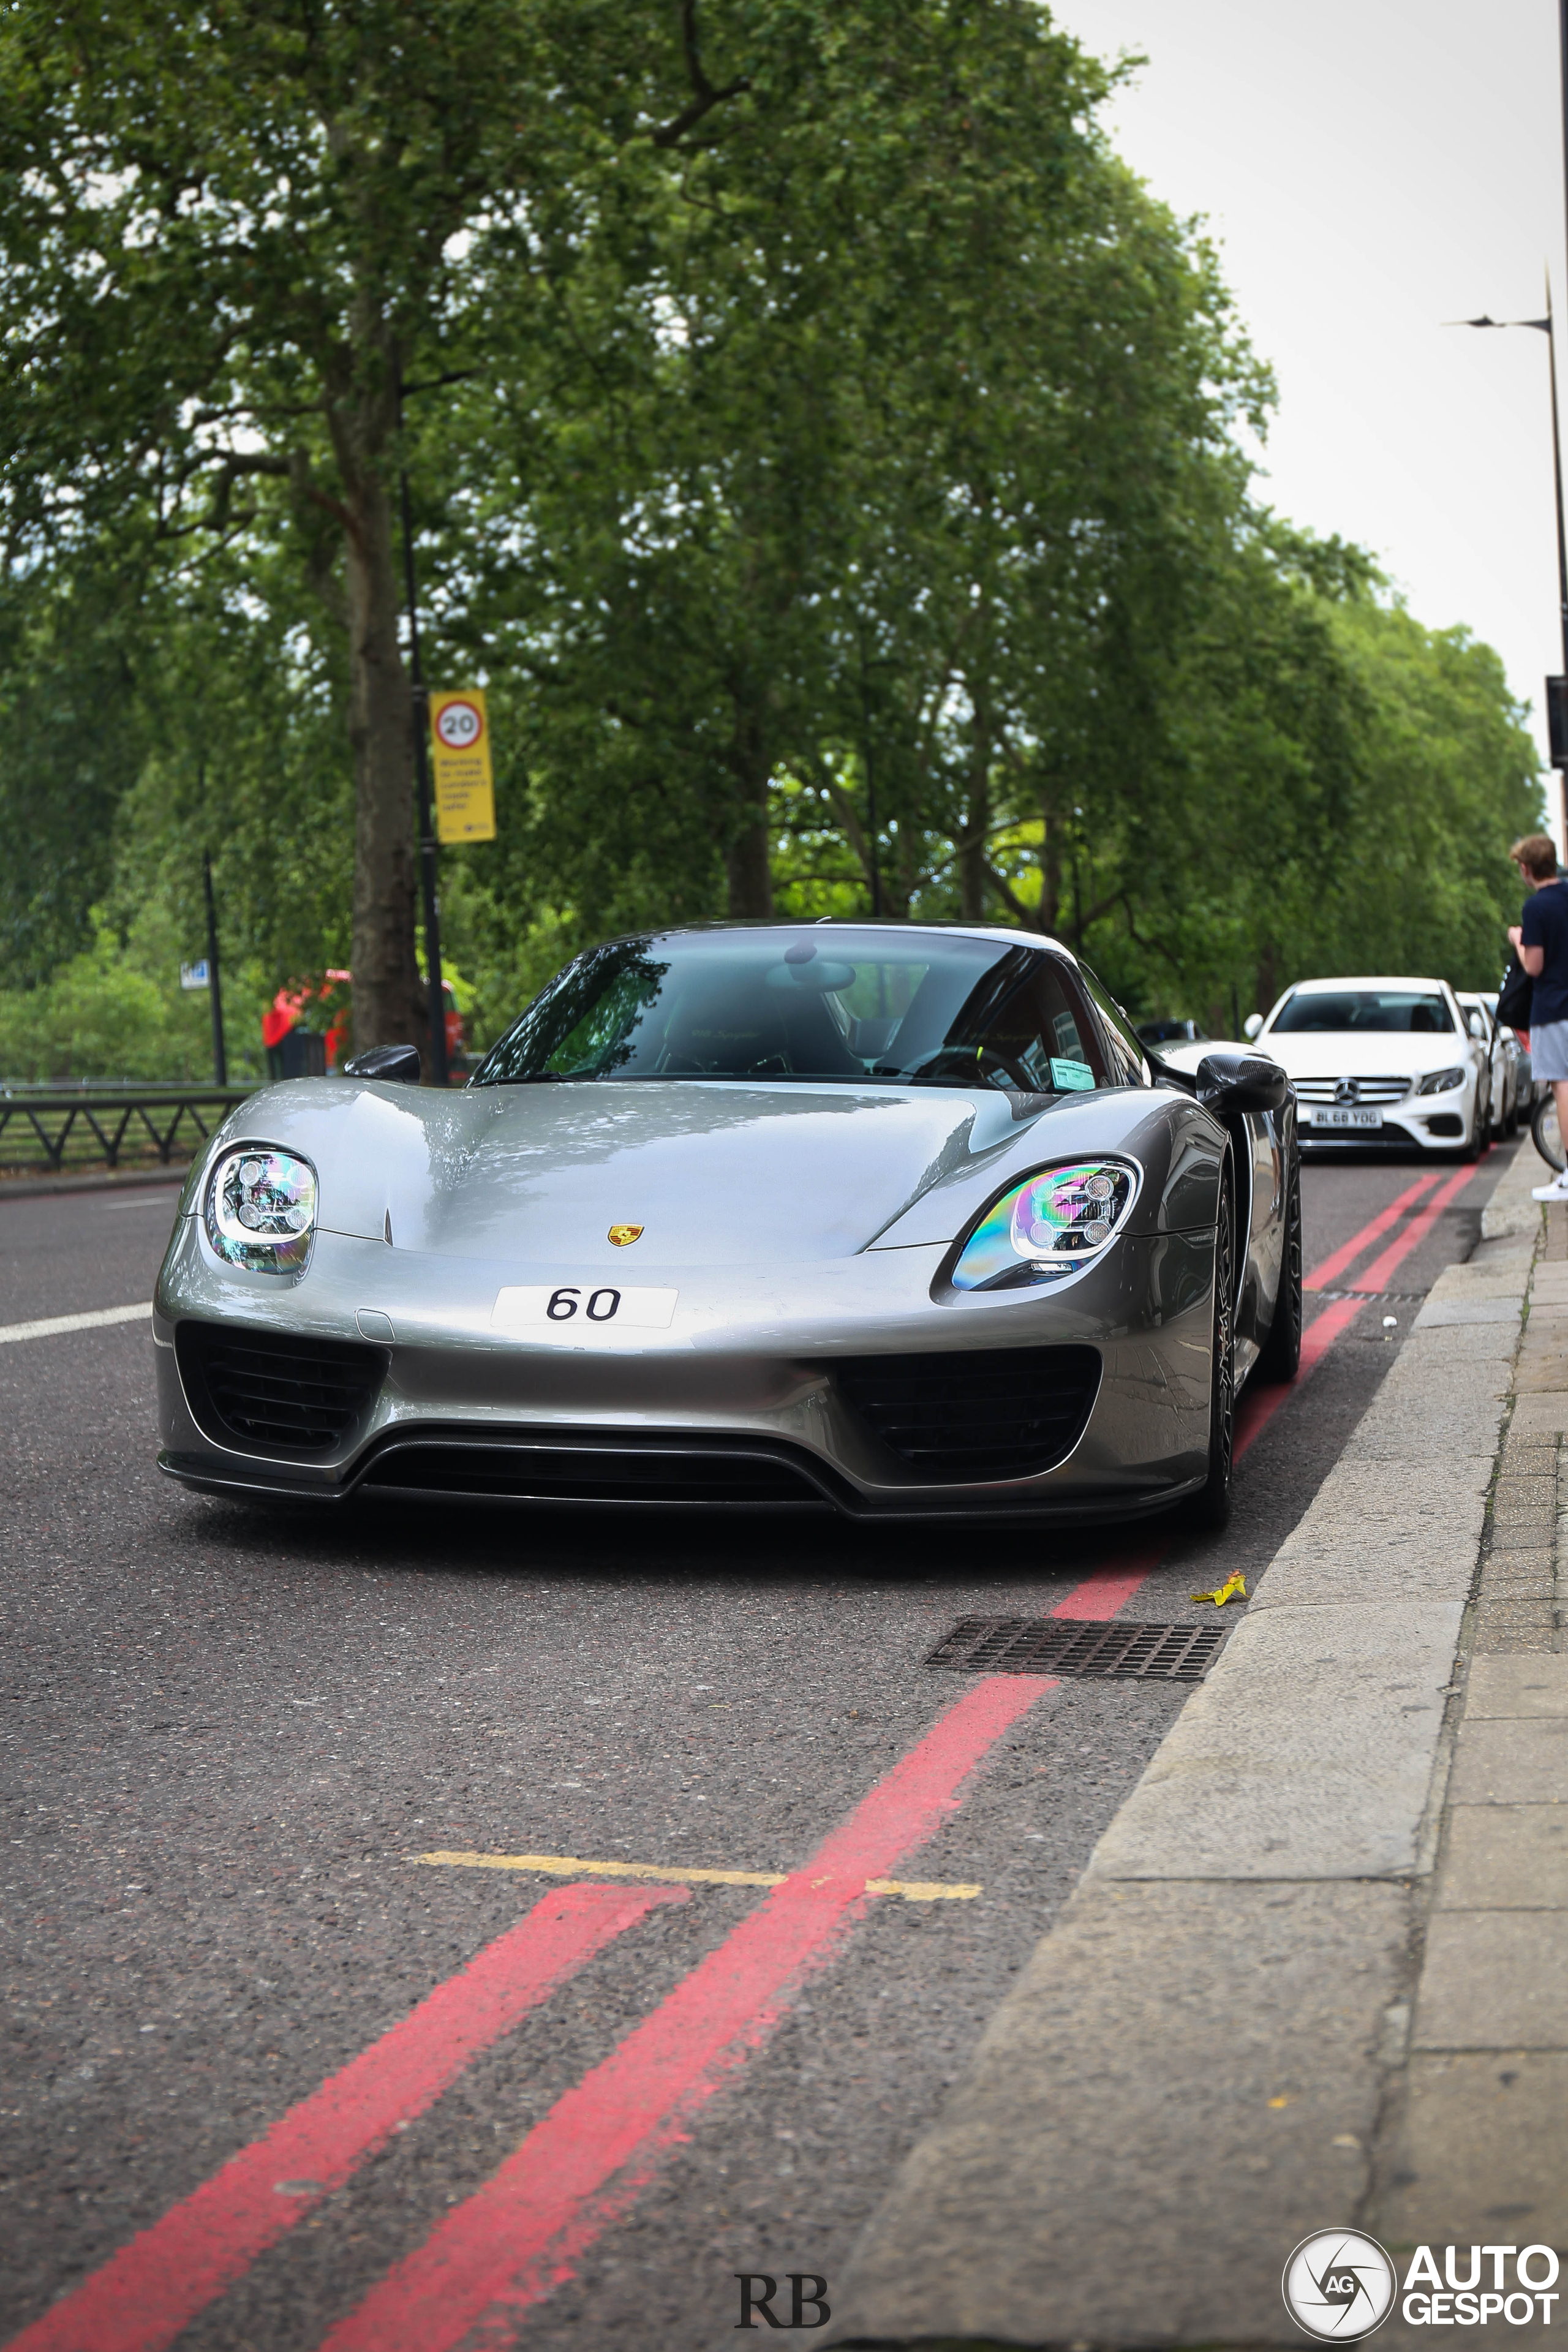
(47, 1124)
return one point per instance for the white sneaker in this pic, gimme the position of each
(1556, 1191)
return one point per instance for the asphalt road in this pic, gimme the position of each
(226, 1733)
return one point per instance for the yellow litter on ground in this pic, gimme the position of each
(1233, 1589)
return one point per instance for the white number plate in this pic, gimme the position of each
(581, 1307)
(1324, 1116)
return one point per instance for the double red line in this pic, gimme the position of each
(1259, 1409)
(515, 2240)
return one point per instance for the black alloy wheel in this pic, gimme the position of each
(1281, 1356)
(1210, 1506)
(1480, 1131)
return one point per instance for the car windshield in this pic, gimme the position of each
(838, 1007)
(1401, 1010)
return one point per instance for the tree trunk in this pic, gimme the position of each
(748, 867)
(362, 417)
(385, 981)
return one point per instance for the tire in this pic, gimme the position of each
(1481, 1129)
(1210, 1506)
(1281, 1357)
(1545, 1133)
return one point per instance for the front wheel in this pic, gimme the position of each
(1480, 1128)
(1210, 1506)
(1281, 1357)
(1545, 1132)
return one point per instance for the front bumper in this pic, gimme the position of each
(1436, 1123)
(744, 1401)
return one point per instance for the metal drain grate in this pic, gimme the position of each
(1405, 1297)
(1080, 1646)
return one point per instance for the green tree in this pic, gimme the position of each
(234, 237)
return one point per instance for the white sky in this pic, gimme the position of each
(1370, 168)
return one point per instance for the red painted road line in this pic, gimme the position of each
(1375, 1275)
(1258, 1410)
(1101, 1596)
(513, 2242)
(1322, 1276)
(144, 2295)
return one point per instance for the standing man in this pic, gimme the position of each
(1540, 937)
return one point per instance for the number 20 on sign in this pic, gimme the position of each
(460, 762)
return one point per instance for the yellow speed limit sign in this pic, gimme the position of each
(460, 757)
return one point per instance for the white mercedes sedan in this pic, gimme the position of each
(1381, 1061)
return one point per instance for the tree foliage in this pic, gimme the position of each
(823, 449)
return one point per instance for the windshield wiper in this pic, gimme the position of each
(941, 1078)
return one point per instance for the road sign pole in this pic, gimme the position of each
(421, 718)
(220, 1059)
(1556, 443)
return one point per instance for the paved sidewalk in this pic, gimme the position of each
(1475, 2143)
(1310, 1976)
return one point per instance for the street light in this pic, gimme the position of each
(214, 1000)
(1556, 688)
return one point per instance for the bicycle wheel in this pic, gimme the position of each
(1546, 1134)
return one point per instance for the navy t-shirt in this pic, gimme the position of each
(1545, 924)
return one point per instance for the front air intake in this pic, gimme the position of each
(691, 1473)
(966, 1419)
(273, 1392)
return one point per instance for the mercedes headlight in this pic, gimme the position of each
(260, 1209)
(1441, 1082)
(1050, 1226)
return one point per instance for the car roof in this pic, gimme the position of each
(1365, 980)
(858, 923)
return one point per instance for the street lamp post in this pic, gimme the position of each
(1556, 688)
(220, 1056)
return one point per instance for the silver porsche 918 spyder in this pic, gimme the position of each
(897, 1220)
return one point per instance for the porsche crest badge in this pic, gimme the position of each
(623, 1235)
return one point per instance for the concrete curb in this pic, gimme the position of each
(1190, 2075)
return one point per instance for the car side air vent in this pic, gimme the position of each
(275, 1393)
(1003, 1413)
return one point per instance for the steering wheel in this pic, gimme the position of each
(967, 1063)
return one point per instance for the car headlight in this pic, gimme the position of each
(1441, 1082)
(1050, 1226)
(260, 1209)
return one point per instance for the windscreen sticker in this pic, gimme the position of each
(1071, 1077)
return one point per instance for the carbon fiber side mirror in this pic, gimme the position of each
(386, 1062)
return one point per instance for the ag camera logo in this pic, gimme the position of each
(1338, 2284)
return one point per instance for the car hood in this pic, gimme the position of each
(1362, 1053)
(713, 1173)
